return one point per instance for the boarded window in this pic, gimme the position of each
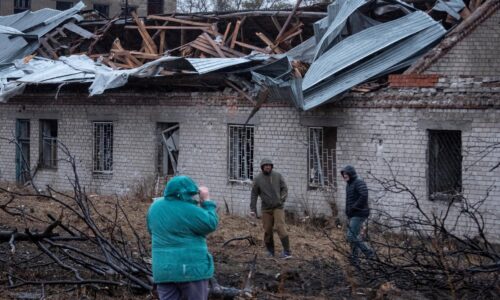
(241, 149)
(22, 150)
(445, 164)
(103, 147)
(48, 144)
(322, 156)
(168, 149)
(102, 9)
(21, 5)
(64, 5)
(155, 7)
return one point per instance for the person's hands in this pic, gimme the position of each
(252, 214)
(204, 195)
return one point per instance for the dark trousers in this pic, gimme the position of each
(192, 290)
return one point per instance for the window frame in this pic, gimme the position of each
(53, 144)
(234, 173)
(96, 5)
(107, 167)
(433, 164)
(62, 2)
(329, 179)
(19, 7)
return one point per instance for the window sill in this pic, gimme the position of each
(445, 197)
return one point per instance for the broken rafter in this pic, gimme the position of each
(251, 47)
(148, 41)
(213, 44)
(269, 43)
(235, 34)
(282, 31)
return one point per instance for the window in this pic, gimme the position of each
(103, 147)
(103, 9)
(445, 164)
(322, 156)
(64, 5)
(155, 7)
(22, 150)
(48, 144)
(21, 5)
(168, 149)
(241, 142)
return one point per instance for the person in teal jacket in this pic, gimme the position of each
(178, 226)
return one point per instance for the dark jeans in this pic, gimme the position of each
(192, 290)
(353, 230)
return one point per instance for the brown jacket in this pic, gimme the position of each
(272, 190)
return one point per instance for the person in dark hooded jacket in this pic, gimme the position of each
(272, 189)
(357, 211)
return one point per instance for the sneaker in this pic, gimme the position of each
(285, 255)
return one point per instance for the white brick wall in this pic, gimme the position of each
(367, 139)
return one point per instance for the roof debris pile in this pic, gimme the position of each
(307, 55)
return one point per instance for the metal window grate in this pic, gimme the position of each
(103, 9)
(21, 5)
(241, 150)
(48, 143)
(322, 156)
(103, 147)
(445, 164)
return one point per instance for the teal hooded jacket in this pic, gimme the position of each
(178, 228)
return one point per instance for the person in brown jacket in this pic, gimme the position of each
(272, 189)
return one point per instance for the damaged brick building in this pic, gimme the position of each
(435, 127)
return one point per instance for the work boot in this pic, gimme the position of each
(270, 249)
(287, 253)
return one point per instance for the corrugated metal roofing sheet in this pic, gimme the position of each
(346, 9)
(359, 46)
(380, 63)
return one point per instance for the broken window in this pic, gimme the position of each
(64, 5)
(445, 164)
(241, 148)
(155, 7)
(168, 149)
(48, 144)
(103, 147)
(322, 156)
(21, 5)
(103, 9)
(22, 150)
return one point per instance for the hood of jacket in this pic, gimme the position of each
(181, 188)
(349, 170)
(266, 161)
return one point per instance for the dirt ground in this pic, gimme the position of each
(312, 273)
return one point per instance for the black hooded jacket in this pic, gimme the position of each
(356, 202)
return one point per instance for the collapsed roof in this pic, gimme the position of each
(317, 54)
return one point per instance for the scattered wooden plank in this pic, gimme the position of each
(200, 46)
(48, 48)
(226, 33)
(268, 42)
(276, 23)
(235, 34)
(162, 42)
(251, 47)
(150, 44)
(232, 51)
(213, 44)
(288, 19)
